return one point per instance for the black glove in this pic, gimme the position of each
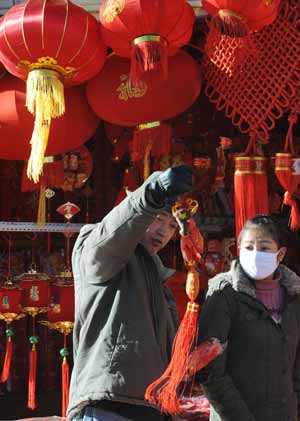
(171, 183)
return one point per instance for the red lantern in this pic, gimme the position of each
(35, 301)
(10, 310)
(52, 44)
(238, 17)
(67, 133)
(114, 99)
(147, 31)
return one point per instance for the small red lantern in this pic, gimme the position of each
(52, 44)
(238, 17)
(35, 301)
(61, 318)
(10, 310)
(113, 98)
(147, 31)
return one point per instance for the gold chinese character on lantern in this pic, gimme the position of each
(113, 9)
(127, 91)
(5, 302)
(34, 293)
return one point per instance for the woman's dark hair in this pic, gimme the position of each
(265, 222)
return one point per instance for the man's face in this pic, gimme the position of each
(159, 232)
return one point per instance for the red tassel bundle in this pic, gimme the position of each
(287, 170)
(164, 391)
(32, 378)
(65, 379)
(250, 189)
(8, 356)
(148, 52)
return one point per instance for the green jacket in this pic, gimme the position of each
(125, 318)
(258, 377)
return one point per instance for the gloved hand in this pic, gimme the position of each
(171, 183)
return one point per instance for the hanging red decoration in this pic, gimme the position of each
(240, 87)
(146, 31)
(74, 128)
(51, 44)
(114, 99)
(237, 17)
(250, 189)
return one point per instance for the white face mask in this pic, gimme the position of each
(258, 264)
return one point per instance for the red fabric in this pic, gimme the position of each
(124, 20)
(158, 139)
(255, 13)
(32, 379)
(56, 28)
(35, 291)
(68, 132)
(62, 303)
(113, 99)
(131, 181)
(52, 177)
(10, 300)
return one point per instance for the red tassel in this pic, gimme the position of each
(163, 392)
(7, 360)
(231, 24)
(148, 52)
(31, 404)
(155, 135)
(65, 385)
(295, 216)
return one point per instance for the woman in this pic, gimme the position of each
(255, 307)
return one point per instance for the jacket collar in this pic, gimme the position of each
(242, 283)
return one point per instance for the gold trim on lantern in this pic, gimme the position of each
(64, 30)
(84, 39)
(23, 32)
(10, 317)
(251, 158)
(47, 63)
(113, 9)
(34, 311)
(268, 2)
(193, 307)
(227, 12)
(239, 172)
(64, 327)
(283, 154)
(148, 125)
(43, 25)
(7, 42)
(153, 37)
(282, 168)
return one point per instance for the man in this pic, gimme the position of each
(125, 317)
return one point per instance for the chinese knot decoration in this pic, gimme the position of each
(51, 44)
(146, 31)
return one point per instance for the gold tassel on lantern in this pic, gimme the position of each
(45, 100)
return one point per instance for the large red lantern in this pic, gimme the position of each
(238, 17)
(52, 44)
(148, 31)
(113, 98)
(74, 128)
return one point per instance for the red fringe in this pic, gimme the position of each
(7, 360)
(65, 385)
(52, 177)
(230, 25)
(294, 222)
(147, 56)
(163, 391)
(31, 404)
(159, 138)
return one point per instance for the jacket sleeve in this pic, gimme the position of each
(296, 379)
(103, 249)
(215, 322)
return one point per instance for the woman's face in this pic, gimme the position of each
(259, 240)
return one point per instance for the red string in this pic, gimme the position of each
(7, 360)
(32, 378)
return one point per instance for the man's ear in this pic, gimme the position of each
(281, 254)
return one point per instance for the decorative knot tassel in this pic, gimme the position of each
(32, 378)
(148, 52)
(163, 392)
(231, 24)
(153, 138)
(45, 100)
(7, 359)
